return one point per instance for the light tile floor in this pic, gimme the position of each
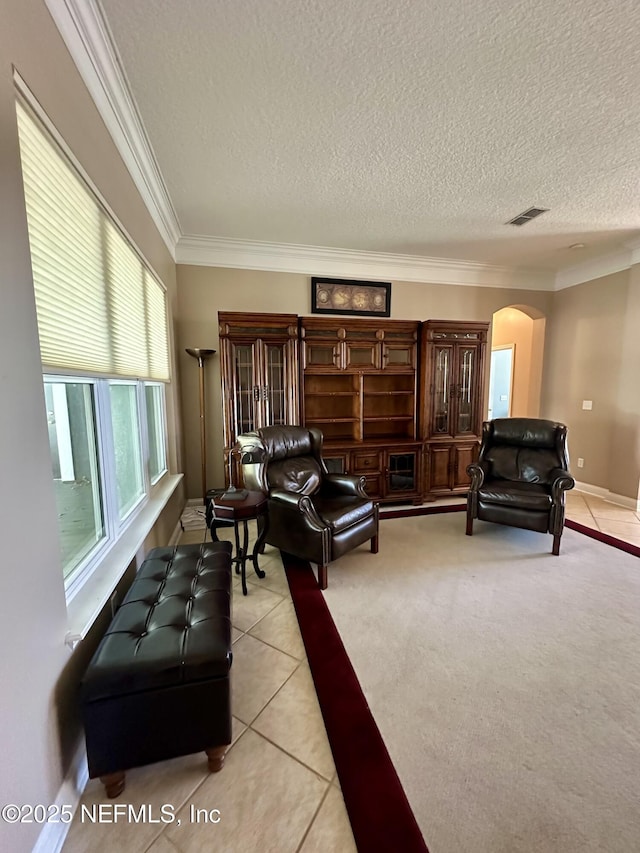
(278, 790)
(602, 515)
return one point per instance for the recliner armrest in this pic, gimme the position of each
(477, 471)
(295, 503)
(561, 481)
(343, 484)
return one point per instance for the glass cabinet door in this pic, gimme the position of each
(325, 355)
(362, 355)
(273, 392)
(258, 371)
(401, 472)
(398, 356)
(246, 392)
(466, 389)
(442, 388)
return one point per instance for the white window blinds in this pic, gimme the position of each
(100, 309)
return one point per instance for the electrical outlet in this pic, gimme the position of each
(580, 462)
(587, 405)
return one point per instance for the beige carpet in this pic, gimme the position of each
(505, 682)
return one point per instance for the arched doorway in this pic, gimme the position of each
(517, 348)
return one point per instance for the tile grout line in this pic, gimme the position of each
(291, 755)
(312, 821)
(272, 697)
(249, 726)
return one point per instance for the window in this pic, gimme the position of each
(102, 324)
(154, 403)
(125, 424)
(71, 419)
(97, 438)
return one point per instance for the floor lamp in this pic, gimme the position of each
(201, 355)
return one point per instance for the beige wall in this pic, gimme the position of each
(588, 326)
(203, 291)
(37, 694)
(625, 437)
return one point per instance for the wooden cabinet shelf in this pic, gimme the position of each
(332, 420)
(330, 394)
(367, 367)
(387, 418)
(390, 393)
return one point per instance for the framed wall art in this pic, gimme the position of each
(345, 296)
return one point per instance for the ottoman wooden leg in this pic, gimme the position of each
(113, 784)
(215, 757)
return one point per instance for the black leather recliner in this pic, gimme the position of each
(313, 514)
(521, 476)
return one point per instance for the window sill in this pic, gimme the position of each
(88, 602)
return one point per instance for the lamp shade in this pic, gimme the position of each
(198, 352)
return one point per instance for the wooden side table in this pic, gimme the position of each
(253, 506)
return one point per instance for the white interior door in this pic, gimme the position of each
(501, 381)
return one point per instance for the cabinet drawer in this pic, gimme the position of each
(373, 485)
(363, 461)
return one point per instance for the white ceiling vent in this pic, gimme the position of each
(527, 216)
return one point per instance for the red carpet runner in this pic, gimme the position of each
(380, 814)
(603, 537)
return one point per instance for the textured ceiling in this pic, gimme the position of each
(406, 127)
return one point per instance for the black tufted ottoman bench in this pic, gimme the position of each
(158, 685)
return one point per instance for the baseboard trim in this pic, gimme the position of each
(175, 536)
(53, 835)
(407, 512)
(606, 495)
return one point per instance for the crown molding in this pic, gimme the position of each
(607, 264)
(314, 260)
(85, 32)
(634, 247)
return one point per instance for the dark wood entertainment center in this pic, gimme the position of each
(399, 402)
